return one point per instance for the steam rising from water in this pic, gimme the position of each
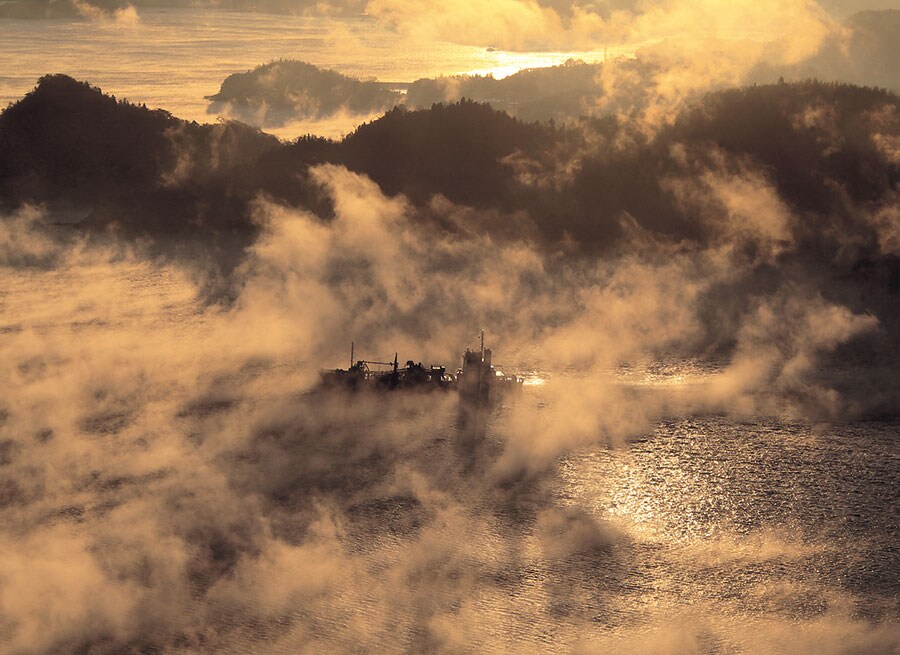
(172, 481)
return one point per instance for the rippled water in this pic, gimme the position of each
(139, 437)
(720, 508)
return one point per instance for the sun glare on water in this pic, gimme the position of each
(503, 63)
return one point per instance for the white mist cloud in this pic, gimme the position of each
(172, 480)
(126, 16)
(685, 48)
(24, 241)
(54, 590)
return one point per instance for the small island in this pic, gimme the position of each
(285, 90)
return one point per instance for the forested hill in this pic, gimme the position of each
(67, 142)
(829, 152)
(147, 171)
(286, 90)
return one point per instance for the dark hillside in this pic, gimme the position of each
(144, 170)
(805, 134)
(825, 149)
(456, 150)
(68, 138)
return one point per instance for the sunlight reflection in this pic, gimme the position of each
(503, 63)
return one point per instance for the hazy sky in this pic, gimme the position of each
(843, 8)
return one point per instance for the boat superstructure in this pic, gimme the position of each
(479, 381)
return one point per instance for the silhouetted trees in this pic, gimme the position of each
(820, 146)
(456, 150)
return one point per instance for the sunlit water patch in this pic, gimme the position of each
(728, 509)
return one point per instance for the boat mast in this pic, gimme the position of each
(482, 345)
(352, 344)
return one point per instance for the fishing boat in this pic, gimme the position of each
(478, 381)
(368, 374)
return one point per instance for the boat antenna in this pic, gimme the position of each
(352, 344)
